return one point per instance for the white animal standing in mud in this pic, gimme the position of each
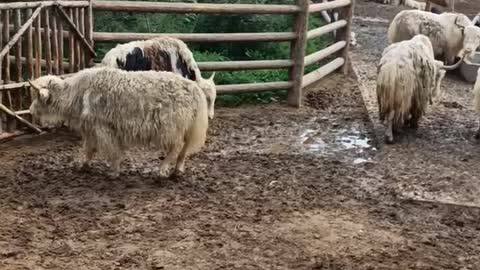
(408, 78)
(408, 3)
(476, 93)
(114, 109)
(160, 54)
(451, 34)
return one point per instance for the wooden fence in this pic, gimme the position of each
(77, 16)
(38, 38)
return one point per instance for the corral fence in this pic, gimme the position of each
(67, 30)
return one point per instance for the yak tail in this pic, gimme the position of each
(476, 92)
(395, 87)
(197, 133)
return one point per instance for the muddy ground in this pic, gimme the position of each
(275, 188)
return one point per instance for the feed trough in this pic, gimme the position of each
(470, 67)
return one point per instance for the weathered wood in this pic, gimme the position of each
(81, 28)
(89, 32)
(322, 72)
(344, 34)
(6, 36)
(13, 114)
(176, 7)
(104, 37)
(65, 33)
(38, 46)
(1, 74)
(252, 87)
(314, 8)
(55, 54)
(46, 41)
(23, 5)
(29, 60)
(60, 36)
(324, 53)
(15, 86)
(75, 30)
(244, 65)
(78, 48)
(43, 63)
(17, 22)
(297, 54)
(320, 31)
(71, 46)
(19, 33)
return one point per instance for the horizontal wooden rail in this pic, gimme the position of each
(103, 37)
(322, 71)
(244, 65)
(24, 5)
(252, 87)
(317, 32)
(324, 53)
(175, 7)
(15, 86)
(314, 8)
(43, 62)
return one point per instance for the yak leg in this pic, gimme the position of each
(389, 131)
(169, 159)
(180, 167)
(477, 135)
(109, 144)
(89, 150)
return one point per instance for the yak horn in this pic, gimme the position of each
(34, 86)
(212, 76)
(454, 66)
(475, 20)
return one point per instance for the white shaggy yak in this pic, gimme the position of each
(451, 34)
(408, 78)
(161, 54)
(114, 109)
(408, 3)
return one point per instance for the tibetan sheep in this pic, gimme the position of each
(114, 110)
(161, 54)
(451, 34)
(408, 78)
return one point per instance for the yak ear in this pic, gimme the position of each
(212, 76)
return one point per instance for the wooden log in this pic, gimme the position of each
(344, 34)
(324, 53)
(244, 65)
(297, 54)
(321, 72)
(315, 8)
(65, 33)
(60, 36)
(46, 41)
(29, 60)
(89, 32)
(38, 46)
(71, 46)
(43, 63)
(17, 22)
(17, 117)
(176, 7)
(77, 42)
(320, 31)
(6, 36)
(76, 31)
(15, 86)
(23, 5)
(103, 37)
(20, 32)
(81, 28)
(55, 53)
(231, 89)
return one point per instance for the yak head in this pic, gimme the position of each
(208, 87)
(45, 89)
(471, 40)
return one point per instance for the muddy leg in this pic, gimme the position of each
(89, 150)
(180, 167)
(164, 171)
(389, 131)
(112, 149)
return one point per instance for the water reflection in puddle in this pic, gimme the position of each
(333, 141)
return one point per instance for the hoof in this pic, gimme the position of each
(164, 173)
(477, 136)
(113, 175)
(389, 140)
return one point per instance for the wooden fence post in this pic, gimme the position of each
(89, 32)
(345, 34)
(297, 54)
